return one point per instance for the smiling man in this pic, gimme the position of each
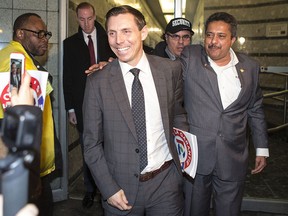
(129, 109)
(222, 99)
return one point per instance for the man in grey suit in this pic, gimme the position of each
(222, 96)
(112, 138)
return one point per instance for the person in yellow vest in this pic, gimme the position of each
(30, 37)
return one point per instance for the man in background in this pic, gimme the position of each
(222, 98)
(30, 37)
(178, 34)
(88, 47)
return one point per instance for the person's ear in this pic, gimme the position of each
(144, 33)
(19, 33)
(233, 40)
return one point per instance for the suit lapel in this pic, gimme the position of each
(121, 97)
(212, 77)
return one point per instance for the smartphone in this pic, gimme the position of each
(17, 65)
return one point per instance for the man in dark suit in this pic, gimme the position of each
(222, 96)
(14, 78)
(76, 60)
(112, 136)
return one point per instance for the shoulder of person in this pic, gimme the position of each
(194, 48)
(72, 38)
(193, 51)
(164, 64)
(99, 27)
(244, 58)
(157, 58)
(105, 72)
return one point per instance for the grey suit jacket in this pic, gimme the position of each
(222, 133)
(110, 141)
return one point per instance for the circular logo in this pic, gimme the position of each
(183, 148)
(5, 97)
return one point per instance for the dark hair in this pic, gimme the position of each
(85, 5)
(225, 17)
(139, 18)
(21, 21)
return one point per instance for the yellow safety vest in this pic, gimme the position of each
(47, 164)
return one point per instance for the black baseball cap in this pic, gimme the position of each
(178, 24)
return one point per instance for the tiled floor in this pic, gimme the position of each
(271, 184)
(273, 181)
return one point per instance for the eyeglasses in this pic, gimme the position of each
(178, 37)
(40, 34)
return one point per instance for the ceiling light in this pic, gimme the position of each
(168, 10)
(132, 3)
(154, 29)
(241, 40)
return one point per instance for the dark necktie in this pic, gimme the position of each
(91, 50)
(138, 112)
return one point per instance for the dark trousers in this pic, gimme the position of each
(161, 195)
(226, 196)
(45, 201)
(187, 188)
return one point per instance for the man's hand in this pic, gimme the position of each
(72, 118)
(119, 201)
(25, 94)
(260, 164)
(97, 67)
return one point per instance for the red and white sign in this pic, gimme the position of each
(186, 144)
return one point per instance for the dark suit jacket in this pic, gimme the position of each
(222, 133)
(110, 141)
(76, 60)
(160, 49)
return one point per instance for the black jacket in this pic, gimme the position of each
(75, 61)
(160, 49)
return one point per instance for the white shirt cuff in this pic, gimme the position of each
(71, 110)
(262, 152)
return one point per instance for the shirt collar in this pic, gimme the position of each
(143, 65)
(233, 61)
(170, 54)
(93, 34)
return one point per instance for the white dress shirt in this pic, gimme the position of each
(157, 146)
